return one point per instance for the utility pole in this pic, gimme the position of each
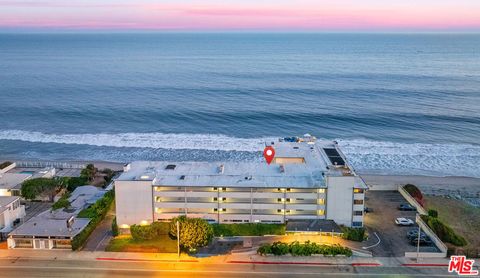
(418, 238)
(178, 238)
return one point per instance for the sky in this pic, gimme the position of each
(242, 15)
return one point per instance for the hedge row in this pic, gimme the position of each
(303, 249)
(248, 229)
(149, 232)
(96, 213)
(355, 234)
(444, 232)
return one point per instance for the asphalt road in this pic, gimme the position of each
(70, 268)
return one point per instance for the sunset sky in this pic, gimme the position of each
(242, 15)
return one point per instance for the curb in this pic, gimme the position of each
(302, 263)
(145, 260)
(425, 265)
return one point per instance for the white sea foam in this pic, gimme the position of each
(364, 155)
(141, 140)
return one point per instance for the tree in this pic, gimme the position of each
(89, 172)
(41, 186)
(194, 232)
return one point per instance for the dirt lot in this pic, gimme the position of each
(393, 240)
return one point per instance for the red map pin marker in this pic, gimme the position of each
(269, 154)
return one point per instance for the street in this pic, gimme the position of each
(23, 267)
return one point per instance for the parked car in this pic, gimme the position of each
(414, 234)
(367, 210)
(424, 240)
(406, 207)
(401, 221)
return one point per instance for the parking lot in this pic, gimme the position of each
(393, 240)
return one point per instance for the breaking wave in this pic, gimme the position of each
(367, 156)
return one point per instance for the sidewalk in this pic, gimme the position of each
(234, 258)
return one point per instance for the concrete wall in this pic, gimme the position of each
(133, 202)
(340, 199)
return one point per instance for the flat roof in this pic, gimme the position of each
(11, 180)
(50, 224)
(311, 173)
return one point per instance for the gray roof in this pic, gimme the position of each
(50, 224)
(245, 174)
(10, 180)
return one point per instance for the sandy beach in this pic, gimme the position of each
(466, 188)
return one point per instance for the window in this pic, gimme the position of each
(321, 190)
(357, 224)
(288, 199)
(358, 202)
(279, 199)
(357, 190)
(170, 167)
(215, 199)
(358, 213)
(224, 189)
(321, 212)
(182, 177)
(215, 188)
(321, 201)
(215, 209)
(279, 210)
(158, 199)
(288, 189)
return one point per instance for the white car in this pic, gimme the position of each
(404, 221)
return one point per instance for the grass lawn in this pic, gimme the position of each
(125, 243)
(462, 217)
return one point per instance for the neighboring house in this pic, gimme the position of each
(56, 229)
(11, 181)
(308, 180)
(11, 214)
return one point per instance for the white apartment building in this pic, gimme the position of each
(11, 214)
(307, 180)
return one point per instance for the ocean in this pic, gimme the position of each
(396, 103)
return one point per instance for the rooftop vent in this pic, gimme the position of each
(170, 167)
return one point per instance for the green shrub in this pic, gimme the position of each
(355, 234)
(432, 213)
(63, 202)
(88, 172)
(248, 229)
(194, 232)
(71, 183)
(307, 248)
(96, 213)
(149, 232)
(114, 227)
(32, 188)
(443, 231)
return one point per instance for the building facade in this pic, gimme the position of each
(11, 214)
(307, 180)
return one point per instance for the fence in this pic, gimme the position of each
(54, 164)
